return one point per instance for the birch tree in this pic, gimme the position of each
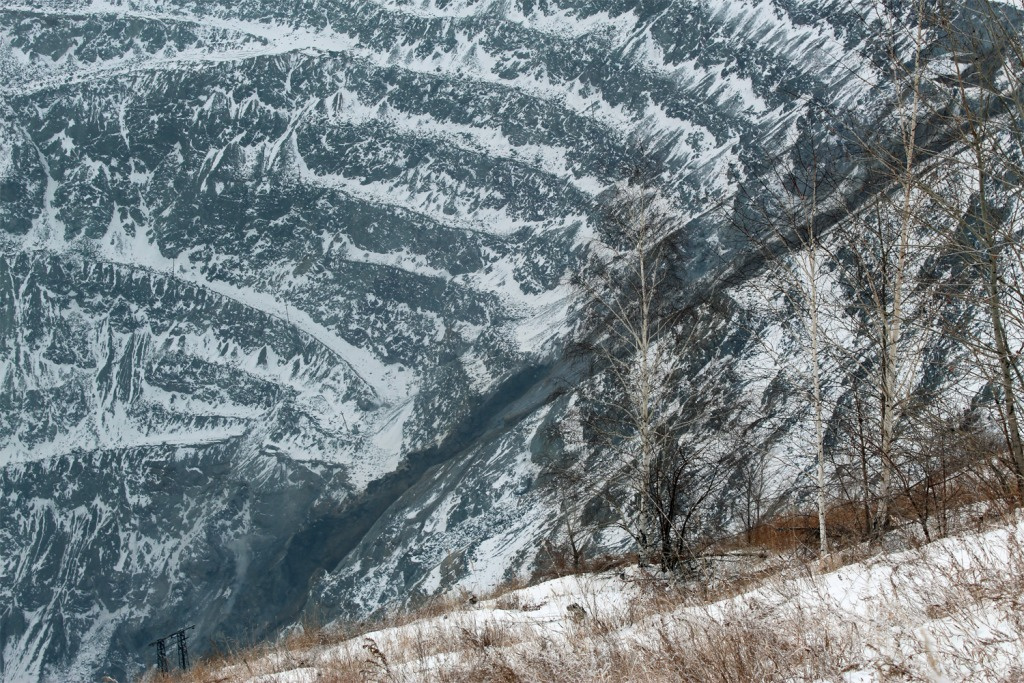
(784, 225)
(979, 193)
(639, 408)
(882, 257)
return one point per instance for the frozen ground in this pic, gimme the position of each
(947, 611)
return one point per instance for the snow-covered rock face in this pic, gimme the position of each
(263, 265)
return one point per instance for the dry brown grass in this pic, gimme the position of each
(702, 646)
(555, 562)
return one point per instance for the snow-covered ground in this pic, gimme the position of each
(947, 611)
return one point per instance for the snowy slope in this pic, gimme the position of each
(947, 611)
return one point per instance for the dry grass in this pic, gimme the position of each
(730, 647)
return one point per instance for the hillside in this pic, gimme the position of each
(945, 611)
(301, 301)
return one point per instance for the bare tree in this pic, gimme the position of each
(640, 407)
(978, 194)
(881, 249)
(784, 224)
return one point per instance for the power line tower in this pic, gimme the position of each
(161, 656)
(181, 639)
